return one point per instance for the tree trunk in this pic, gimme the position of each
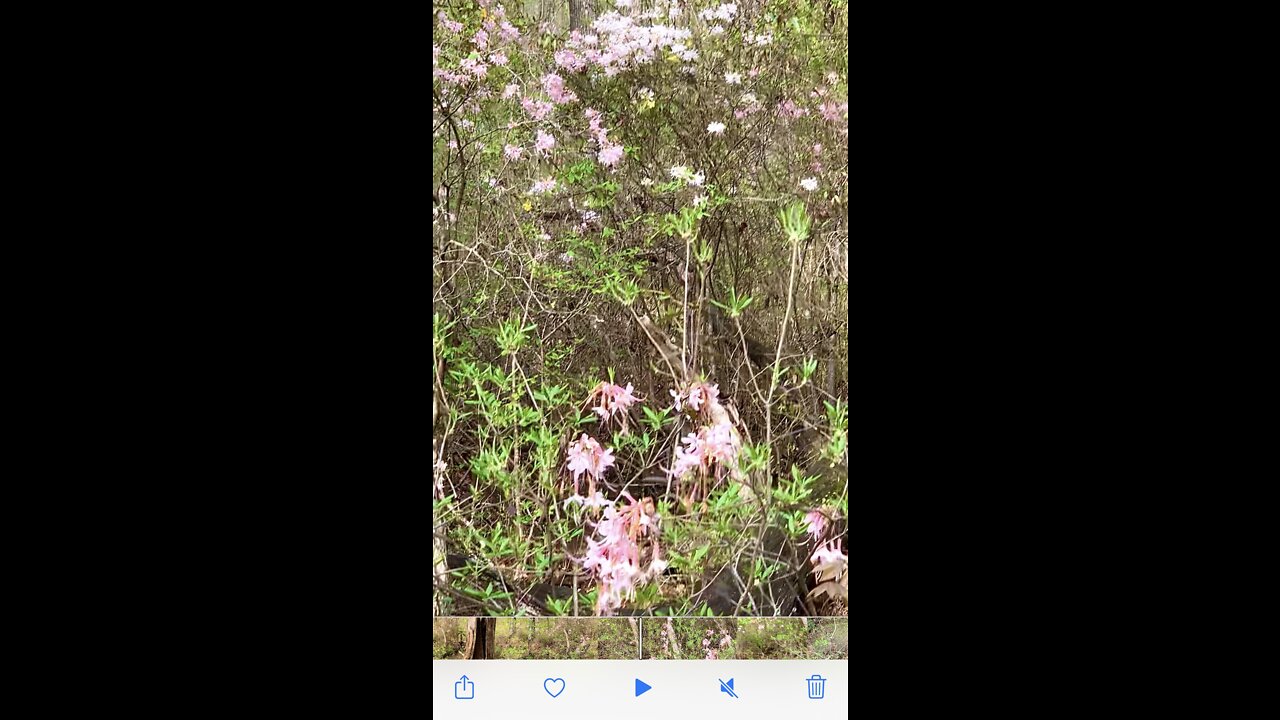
(576, 14)
(480, 638)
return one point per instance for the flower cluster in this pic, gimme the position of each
(586, 456)
(614, 400)
(622, 41)
(829, 553)
(711, 451)
(553, 85)
(610, 152)
(830, 572)
(545, 142)
(615, 556)
(684, 174)
(817, 523)
(713, 651)
(699, 396)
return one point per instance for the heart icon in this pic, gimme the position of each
(553, 686)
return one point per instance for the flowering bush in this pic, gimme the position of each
(659, 194)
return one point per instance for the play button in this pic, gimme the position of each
(642, 687)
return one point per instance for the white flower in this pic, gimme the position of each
(809, 184)
(699, 200)
(646, 182)
(697, 179)
(680, 172)
(749, 98)
(716, 128)
(726, 11)
(733, 78)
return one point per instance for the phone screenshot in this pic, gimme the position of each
(640, 352)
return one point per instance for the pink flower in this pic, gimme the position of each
(481, 39)
(829, 553)
(597, 500)
(817, 522)
(832, 112)
(510, 90)
(614, 399)
(545, 142)
(498, 58)
(512, 152)
(554, 86)
(537, 110)
(586, 456)
(569, 60)
(475, 67)
(544, 186)
(610, 155)
(615, 556)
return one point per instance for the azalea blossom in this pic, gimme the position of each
(554, 86)
(512, 152)
(829, 553)
(475, 67)
(716, 128)
(817, 523)
(586, 456)
(544, 186)
(610, 155)
(614, 554)
(537, 109)
(733, 78)
(614, 399)
(597, 500)
(809, 184)
(545, 142)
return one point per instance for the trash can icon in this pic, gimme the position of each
(817, 687)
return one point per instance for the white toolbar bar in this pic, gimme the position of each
(649, 689)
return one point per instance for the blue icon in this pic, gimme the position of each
(464, 689)
(553, 686)
(727, 687)
(642, 687)
(817, 686)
